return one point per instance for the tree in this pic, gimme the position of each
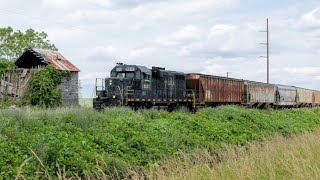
(13, 43)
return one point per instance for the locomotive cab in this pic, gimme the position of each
(126, 81)
(141, 87)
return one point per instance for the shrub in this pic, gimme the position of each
(42, 88)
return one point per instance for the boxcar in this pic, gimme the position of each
(285, 96)
(316, 95)
(213, 90)
(257, 94)
(304, 97)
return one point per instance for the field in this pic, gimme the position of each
(119, 143)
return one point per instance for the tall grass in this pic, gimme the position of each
(86, 102)
(87, 143)
(277, 158)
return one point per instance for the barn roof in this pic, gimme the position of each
(35, 57)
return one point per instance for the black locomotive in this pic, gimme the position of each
(140, 87)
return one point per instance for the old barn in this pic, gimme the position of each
(14, 82)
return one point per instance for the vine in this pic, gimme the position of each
(5, 66)
(43, 88)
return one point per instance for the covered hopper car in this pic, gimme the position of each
(141, 87)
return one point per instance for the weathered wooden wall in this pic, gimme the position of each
(14, 82)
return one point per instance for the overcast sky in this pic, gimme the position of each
(203, 36)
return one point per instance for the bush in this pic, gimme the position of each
(42, 88)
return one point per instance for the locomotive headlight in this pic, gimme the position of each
(110, 81)
(114, 97)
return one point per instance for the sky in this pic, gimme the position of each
(199, 36)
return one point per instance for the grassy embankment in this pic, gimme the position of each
(297, 157)
(40, 143)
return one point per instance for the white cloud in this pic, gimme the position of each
(58, 3)
(170, 10)
(188, 32)
(140, 53)
(302, 70)
(121, 54)
(67, 4)
(221, 30)
(94, 16)
(214, 69)
(165, 41)
(184, 51)
(66, 34)
(309, 20)
(106, 50)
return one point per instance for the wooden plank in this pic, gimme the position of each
(24, 73)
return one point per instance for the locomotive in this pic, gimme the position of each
(140, 87)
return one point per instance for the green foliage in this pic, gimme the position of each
(6, 101)
(42, 88)
(85, 142)
(13, 43)
(5, 66)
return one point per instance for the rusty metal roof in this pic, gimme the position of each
(55, 59)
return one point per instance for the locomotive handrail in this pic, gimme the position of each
(127, 93)
(102, 85)
(121, 94)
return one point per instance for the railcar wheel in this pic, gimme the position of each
(170, 108)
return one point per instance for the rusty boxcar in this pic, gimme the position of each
(304, 97)
(285, 96)
(214, 90)
(257, 94)
(316, 95)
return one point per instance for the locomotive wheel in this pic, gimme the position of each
(102, 106)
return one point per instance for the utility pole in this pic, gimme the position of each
(267, 50)
(228, 74)
(267, 44)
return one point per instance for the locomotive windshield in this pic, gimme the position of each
(125, 75)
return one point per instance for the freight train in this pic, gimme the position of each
(140, 87)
